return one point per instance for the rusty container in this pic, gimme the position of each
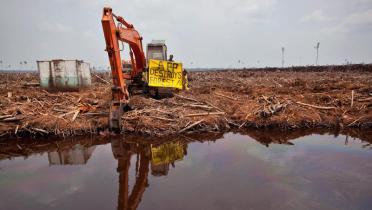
(64, 75)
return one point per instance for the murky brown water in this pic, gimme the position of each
(231, 172)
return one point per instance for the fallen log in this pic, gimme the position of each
(40, 130)
(31, 84)
(5, 116)
(210, 104)
(315, 106)
(102, 79)
(68, 113)
(204, 114)
(365, 99)
(11, 119)
(186, 98)
(16, 130)
(162, 118)
(163, 112)
(198, 106)
(60, 110)
(229, 97)
(271, 110)
(96, 114)
(75, 115)
(355, 121)
(191, 126)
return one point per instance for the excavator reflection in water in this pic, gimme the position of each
(159, 157)
(148, 158)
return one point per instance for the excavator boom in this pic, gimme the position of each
(123, 32)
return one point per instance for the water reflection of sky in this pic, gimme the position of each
(237, 172)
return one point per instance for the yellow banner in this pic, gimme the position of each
(165, 74)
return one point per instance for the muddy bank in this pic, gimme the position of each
(218, 101)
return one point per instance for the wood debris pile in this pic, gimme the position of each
(218, 101)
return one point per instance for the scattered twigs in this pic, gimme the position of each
(315, 106)
(190, 126)
(352, 99)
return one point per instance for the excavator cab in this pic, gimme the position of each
(157, 50)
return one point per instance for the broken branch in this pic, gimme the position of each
(314, 106)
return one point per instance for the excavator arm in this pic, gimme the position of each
(124, 32)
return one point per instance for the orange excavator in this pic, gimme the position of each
(139, 75)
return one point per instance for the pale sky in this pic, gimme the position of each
(200, 33)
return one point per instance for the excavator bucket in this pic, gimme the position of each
(116, 111)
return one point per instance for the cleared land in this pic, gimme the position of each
(337, 97)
